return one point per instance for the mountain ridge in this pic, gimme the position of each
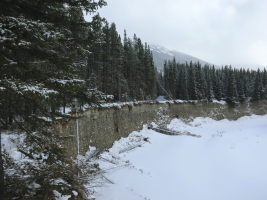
(161, 54)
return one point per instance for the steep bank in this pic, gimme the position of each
(101, 126)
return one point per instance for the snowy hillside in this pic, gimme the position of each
(160, 54)
(227, 162)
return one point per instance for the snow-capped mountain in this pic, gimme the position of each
(160, 54)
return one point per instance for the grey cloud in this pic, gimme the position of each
(219, 31)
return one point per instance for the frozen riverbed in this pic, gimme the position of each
(229, 162)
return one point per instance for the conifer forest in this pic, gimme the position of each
(51, 57)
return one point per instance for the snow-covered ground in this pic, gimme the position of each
(229, 162)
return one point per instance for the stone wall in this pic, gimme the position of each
(101, 126)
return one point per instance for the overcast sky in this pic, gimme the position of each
(218, 31)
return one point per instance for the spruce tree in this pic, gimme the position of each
(240, 86)
(209, 89)
(150, 73)
(116, 52)
(231, 92)
(192, 87)
(183, 84)
(201, 82)
(42, 50)
(195, 82)
(258, 87)
(217, 83)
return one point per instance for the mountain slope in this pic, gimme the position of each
(160, 54)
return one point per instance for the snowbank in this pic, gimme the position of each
(227, 162)
(9, 144)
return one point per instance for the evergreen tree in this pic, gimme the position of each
(231, 92)
(217, 84)
(195, 82)
(192, 87)
(258, 87)
(150, 73)
(183, 84)
(42, 50)
(209, 89)
(201, 82)
(240, 86)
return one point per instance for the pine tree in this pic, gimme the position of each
(183, 84)
(217, 83)
(42, 50)
(201, 82)
(192, 87)
(231, 92)
(258, 87)
(209, 88)
(120, 83)
(150, 73)
(240, 86)
(195, 82)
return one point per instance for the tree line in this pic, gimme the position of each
(191, 81)
(122, 68)
(49, 56)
